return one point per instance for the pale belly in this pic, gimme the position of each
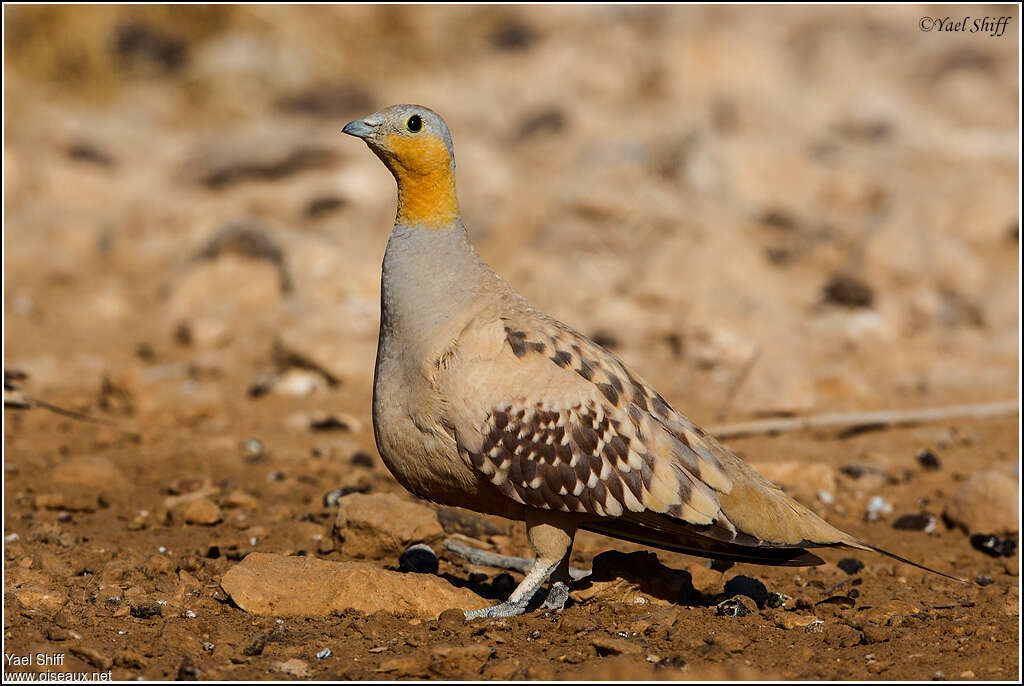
(425, 459)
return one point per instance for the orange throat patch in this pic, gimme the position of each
(426, 184)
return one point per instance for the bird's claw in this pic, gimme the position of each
(505, 609)
(557, 596)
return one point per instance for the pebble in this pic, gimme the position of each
(381, 525)
(294, 668)
(775, 600)
(922, 521)
(324, 654)
(419, 559)
(146, 609)
(877, 508)
(203, 512)
(983, 580)
(986, 503)
(732, 608)
(749, 587)
(255, 646)
(850, 565)
(928, 460)
(993, 545)
(605, 646)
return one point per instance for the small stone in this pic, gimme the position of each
(255, 646)
(324, 654)
(928, 460)
(146, 609)
(967, 674)
(983, 580)
(922, 521)
(993, 545)
(253, 450)
(92, 656)
(732, 608)
(203, 512)
(877, 508)
(294, 667)
(380, 525)
(791, 620)
(419, 559)
(775, 600)
(850, 565)
(848, 290)
(614, 646)
(985, 503)
(747, 586)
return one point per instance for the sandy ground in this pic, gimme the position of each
(766, 212)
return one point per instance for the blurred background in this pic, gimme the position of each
(821, 198)
(766, 211)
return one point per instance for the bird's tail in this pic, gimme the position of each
(852, 542)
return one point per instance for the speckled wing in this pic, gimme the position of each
(556, 422)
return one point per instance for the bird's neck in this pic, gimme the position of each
(427, 200)
(431, 277)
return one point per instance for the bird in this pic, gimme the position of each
(483, 402)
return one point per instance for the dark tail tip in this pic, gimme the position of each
(911, 562)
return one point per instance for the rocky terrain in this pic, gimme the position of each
(768, 212)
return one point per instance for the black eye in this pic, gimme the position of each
(414, 124)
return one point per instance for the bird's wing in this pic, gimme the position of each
(557, 422)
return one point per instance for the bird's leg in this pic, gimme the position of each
(558, 592)
(551, 542)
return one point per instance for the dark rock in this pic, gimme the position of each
(84, 151)
(749, 587)
(255, 646)
(513, 34)
(323, 205)
(419, 559)
(775, 600)
(928, 460)
(146, 609)
(213, 552)
(850, 565)
(732, 608)
(361, 459)
(922, 521)
(503, 584)
(993, 545)
(983, 580)
(849, 291)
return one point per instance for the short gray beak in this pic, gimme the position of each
(358, 128)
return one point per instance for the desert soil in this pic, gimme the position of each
(765, 211)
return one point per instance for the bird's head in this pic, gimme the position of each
(415, 145)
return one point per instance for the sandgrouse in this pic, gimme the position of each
(480, 401)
